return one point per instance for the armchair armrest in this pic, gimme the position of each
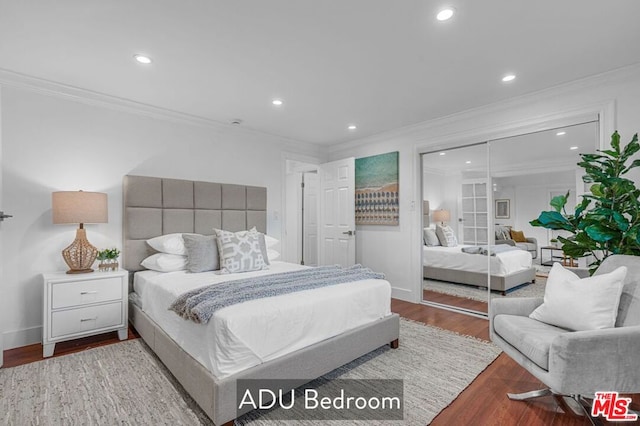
(597, 360)
(521, 306)
(509, 242)
(532, 240)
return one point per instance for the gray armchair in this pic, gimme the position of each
(574, 363)
(503, 237)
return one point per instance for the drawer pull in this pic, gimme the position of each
(88, 292)
(88, 319)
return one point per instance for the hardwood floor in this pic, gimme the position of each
(484, 402)
(33, 353)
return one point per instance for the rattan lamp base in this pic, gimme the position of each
(80, 255)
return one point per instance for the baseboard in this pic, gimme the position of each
(402, 294)
(24, 337)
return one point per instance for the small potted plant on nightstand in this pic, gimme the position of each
(108, 259)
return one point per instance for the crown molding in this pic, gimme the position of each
(41, 86)
(415, 131)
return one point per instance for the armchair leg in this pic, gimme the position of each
(586, 410)
(529, 395)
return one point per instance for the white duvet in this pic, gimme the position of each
(501, 265)
(244, 335)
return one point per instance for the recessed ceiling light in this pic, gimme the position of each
(352, 127)
(509, 77)
(445, 14)
(468, 162)
(573, 148)
(277, 102)
(142, 59)
(443, 153)
(561, 133)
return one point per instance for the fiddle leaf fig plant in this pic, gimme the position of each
(607, 221)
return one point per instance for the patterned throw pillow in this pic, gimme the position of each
(239, 251)
(446, 236)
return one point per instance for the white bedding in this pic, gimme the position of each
(502, 264)
(244, 335)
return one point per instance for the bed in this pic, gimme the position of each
(508, 269)
(208, 359)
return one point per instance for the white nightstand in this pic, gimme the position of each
(83, 305)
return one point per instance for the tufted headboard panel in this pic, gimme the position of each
(157, 206)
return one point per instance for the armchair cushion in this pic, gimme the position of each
(581, 304)
(532, 338)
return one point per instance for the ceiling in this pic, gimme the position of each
(532, 153)
(378, 64)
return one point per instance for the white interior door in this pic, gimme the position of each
(337, 213)
(310, 218)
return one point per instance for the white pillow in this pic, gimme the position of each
(270, 241)
(170, 243)
(273, 254)
(430, 237)
(163, 262)
(581, 304)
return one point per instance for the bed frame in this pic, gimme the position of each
(157, 206)
(498, 283)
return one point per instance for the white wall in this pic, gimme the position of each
(530, 195)
(3, 306)
(51, 143)
(435, 187)
(396, 251)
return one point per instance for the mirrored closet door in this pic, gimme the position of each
(478, 202)
(527, 171)
(456, 209)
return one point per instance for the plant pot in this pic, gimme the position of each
(108, 265)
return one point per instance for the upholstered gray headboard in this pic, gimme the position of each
(157, 206)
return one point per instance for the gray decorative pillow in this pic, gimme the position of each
(202, 252)
(446, 236)
(503, 232)
(239, 251)
(430, 238)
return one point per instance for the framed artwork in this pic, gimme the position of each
(502, 209)
(377, 190)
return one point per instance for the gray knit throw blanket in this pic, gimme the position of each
(200, 304)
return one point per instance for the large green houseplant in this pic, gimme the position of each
(607, 221)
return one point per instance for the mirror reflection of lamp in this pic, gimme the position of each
(441, 216)
(79, 207)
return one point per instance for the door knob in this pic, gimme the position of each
(349, 232)
(4, 216)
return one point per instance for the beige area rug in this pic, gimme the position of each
(480, 294)
(126, 384)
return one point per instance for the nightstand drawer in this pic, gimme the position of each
(81, 320)
(77, 293)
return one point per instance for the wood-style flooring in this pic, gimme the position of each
(484, 402)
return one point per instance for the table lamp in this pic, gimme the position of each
(79, 207)
(441, 216)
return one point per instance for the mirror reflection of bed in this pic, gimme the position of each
(477, 204)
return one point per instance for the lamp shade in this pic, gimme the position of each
(441, 216)
(79, 207)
